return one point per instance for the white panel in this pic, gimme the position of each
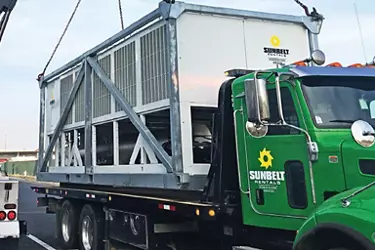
(207, 47)
(288, 40)
(131, 169)
(70, 170)
(52, 105)
(199, 169)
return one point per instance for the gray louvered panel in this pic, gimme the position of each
(79, 103)
(66, 86)
(154, 66)
(101, 97)
(125, 73)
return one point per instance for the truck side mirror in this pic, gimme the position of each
(256, 97)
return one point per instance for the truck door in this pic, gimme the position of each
(278, 164)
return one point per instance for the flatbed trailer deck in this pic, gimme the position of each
(207, 210)
(159, 216)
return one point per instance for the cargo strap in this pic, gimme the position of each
(121, 16)
(59, 42)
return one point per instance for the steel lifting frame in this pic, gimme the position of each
(172, 165)
(88, 65)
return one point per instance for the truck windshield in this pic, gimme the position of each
(337, 102)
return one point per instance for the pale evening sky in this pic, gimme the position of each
(35, 26)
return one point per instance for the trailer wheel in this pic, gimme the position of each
(91, 224)
(67, 222)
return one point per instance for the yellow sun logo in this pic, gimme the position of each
(265, 158)
(275, 41)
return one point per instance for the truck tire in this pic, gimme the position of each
(67, 222)
(91, 226)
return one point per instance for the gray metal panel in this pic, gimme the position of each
(66, 85)
(333, 71)
(154, 57)
(125, 73)
(79, 104)
(163, 181)
(101, 96)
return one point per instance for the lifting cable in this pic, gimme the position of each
(5, 10)
(306, 9)
(59, 42)
(314, 14)
(121, 16)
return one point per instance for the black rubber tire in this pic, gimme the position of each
(73, 211)
(97, 218)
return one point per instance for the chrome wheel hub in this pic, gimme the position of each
(87, 233)
(65, 226)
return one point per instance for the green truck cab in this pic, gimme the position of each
(305, 152)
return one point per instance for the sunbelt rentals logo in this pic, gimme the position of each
(275, 50)
(275, 53)
(266, 176)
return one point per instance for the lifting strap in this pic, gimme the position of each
(121, 16)
(59, 42)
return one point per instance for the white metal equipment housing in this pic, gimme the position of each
(9, 191)
(136, 110)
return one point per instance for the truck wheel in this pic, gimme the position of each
(67, 220)
(91, 224)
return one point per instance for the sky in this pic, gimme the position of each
(36, 25)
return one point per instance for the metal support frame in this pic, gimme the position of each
(42, 116)
(62, 120)
(133, 117)
(175, 116)
(88, 118)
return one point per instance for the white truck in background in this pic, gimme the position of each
(10, 226)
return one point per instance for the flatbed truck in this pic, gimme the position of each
(284, 158)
